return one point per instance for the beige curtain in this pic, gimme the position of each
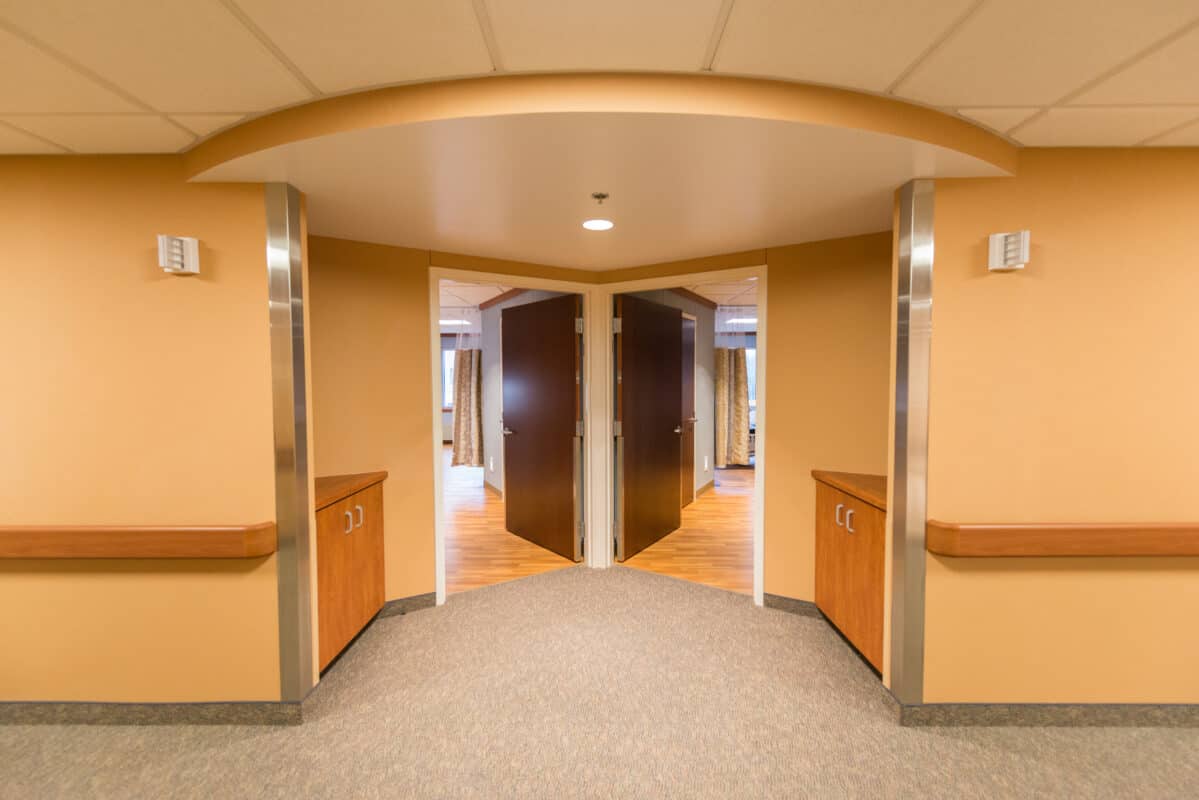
(732, 407)
(468, 409)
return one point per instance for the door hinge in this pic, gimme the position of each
(578, 324)
(617, 428)
(578, 427)
(616, 326)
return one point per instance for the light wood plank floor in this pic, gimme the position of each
(715, 544)
(479, 551)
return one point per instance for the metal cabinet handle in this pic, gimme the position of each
(361, 516)
(838, 513)
(849, 520)
(349, 522)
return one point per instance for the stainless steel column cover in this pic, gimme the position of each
(284, 266)
(910, 470)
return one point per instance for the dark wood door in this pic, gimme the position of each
(649, 388)
(540, 351)
(687, 438)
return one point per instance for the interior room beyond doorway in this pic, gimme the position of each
(712, 542)
(503, 519)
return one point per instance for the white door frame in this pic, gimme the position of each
(598, 368)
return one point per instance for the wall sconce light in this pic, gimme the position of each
(1008, 251)
(179, 255)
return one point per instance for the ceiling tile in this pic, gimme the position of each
(733, 293)
(33, 81)
(1030, 52)
(1187, 136)
(374, 42)
(1100, 127)
(176, 55)
(204, 124)
(107, 133)
(617, 34)
(1168, 75)
(16, 142)
(859, 43)
(999, 119)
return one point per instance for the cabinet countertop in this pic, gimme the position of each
(870, 489)
(331, 488)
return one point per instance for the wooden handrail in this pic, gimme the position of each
(987, 540)
(133, 541)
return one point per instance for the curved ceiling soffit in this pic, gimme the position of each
(706, 95)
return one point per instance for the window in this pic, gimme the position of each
(751, 371)
(447, 378)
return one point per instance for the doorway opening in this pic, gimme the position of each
(510, 382)
(687, 384)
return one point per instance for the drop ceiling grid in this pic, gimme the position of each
(1010, 66)
(458, 293)
(820, 42)
(551, 35)
(172, 55)
(390, 42)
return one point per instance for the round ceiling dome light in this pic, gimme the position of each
(598, 224)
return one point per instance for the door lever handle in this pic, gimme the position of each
(678, 428)
(507, 431)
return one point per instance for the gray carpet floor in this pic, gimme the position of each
(597, 683)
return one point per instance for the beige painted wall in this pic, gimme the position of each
(130, 396)
(1066, 393)
(828, 362)
(372, 389)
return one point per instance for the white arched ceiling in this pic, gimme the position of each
(161, 75)
(519, 186)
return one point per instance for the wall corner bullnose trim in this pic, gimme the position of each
(293, 479)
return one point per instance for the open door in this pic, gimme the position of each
(649, 387)
(541, 347)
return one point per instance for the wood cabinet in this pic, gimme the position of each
(349, 558)
(851, 522)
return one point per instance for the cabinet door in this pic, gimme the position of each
(861, 606)
(365, 579)
(334, 560)
(829, 553)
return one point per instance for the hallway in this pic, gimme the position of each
(596, 683)
(478, 550)
(715, 545)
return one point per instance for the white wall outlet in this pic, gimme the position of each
(491, 463)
